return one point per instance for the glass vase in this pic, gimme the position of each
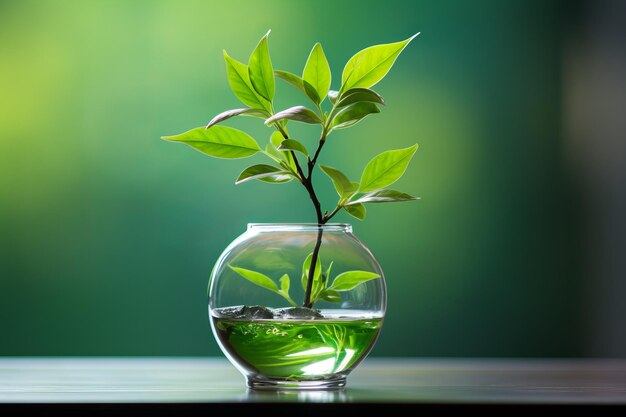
(284, 331)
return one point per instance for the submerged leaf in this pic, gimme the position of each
(348, 280)
(284, 289)
(330, 295)
(330, 267)
(256, 278)
(306, 265)
(284, 283)
(266, 282)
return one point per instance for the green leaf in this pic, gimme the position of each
(277, 179)
(239, 81)
(237, 112)
(353, 113)
(276, 139)
(330, 295)
(386, 168)
(320, 284)
(297, 113)
(284, 289)
(262, 171)
(273, 153)
(284, 283)
(356, 210)
(306, 265)
(256, 278)
(333, 96)
(369, 66)
(382, 196)
(305, 87)
(317, 71)
(260, 70)
(355, 95)
(292, 145)
(218, 141)
(349, 280)
(342, 184)
(311, 93)
(266, 282)
(291, 78)
(330, 267)
(321, 288)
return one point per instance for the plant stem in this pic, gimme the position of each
(330, 216)
(298, 169)
(317, 153)
(309, 282)
(307, 181)
(321, 220)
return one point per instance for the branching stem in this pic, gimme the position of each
(307, 181)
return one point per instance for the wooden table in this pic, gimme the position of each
(200, 386)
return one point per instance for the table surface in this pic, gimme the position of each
(576, 384)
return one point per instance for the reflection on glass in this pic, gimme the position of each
(314, 396)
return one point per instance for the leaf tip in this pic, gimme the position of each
(413, 37)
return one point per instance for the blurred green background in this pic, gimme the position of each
(108, 234)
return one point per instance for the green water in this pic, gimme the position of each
(287, 348)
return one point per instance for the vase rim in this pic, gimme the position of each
(333, 227)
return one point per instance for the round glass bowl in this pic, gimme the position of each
(282, 330)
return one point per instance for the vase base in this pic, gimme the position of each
(265, 384)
